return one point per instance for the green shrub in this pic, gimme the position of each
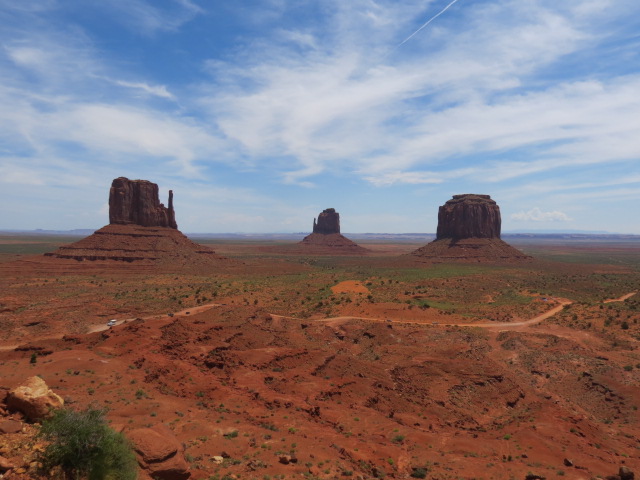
(419, 472)
(82, 445)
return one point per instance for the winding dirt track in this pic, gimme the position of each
(335, 321)
(562, 302)
(621, 299)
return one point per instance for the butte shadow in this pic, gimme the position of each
(141, 230)
(469, 230)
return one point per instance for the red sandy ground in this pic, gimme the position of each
(346, 396)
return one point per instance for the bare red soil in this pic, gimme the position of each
(351, 367)
(135, 243)
(321, 244)
(469, 249)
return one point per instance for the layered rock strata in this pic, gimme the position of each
(469, 229)
(469, 216)
(327, 239)
(130, 243)
(328, 222)
(159, 452)
(141, 229)
(137, 202)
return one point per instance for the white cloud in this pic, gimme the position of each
(494, 94)
(60, 60)
(157, 90)
(411, 178)
(148, 18)
(302, 39)
(537, 215)
(125, 130)
(348, 105)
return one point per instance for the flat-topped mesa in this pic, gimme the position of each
(137, 202)
(469, 230)
(469, 216)
(328, 222)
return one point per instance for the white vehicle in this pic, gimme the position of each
(111, 322)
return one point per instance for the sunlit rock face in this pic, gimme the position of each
(328, 222)
(141, 230)
(469, 216)
(469, 230)
(137, 202)
(326, 238)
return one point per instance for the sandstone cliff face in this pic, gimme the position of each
(469, 216)
(326, 238)
(469, 230)
(328, 222)
(137, 202)
(141, 230)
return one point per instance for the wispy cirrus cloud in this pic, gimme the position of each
(537, 215)
(60, 99)
(478, 93)
(157, 90)
(501, 96)
(147, 17)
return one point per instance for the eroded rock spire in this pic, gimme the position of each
(137, 202)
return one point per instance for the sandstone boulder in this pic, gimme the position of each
(10, 426)
(328, 222)
(34, 398)
(137, 202)
(6, 464)
(160, 453)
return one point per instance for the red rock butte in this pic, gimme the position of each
(327, 239)
(137, 202)
(141, 229)
(469, 229)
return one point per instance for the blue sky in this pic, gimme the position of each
(259, 114)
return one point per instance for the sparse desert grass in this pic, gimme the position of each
(33, 244)
(383, 391)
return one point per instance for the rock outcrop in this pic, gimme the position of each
(469, 230)
(328, 222)
(137, 202)
(141, 230)
(34, 398)
(469, 216)
(160, 453)
(326, 238)
(134, 243)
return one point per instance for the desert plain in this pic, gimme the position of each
(276, 363)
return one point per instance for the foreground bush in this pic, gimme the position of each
(82, 445)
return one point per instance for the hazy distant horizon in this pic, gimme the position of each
(89, 231)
